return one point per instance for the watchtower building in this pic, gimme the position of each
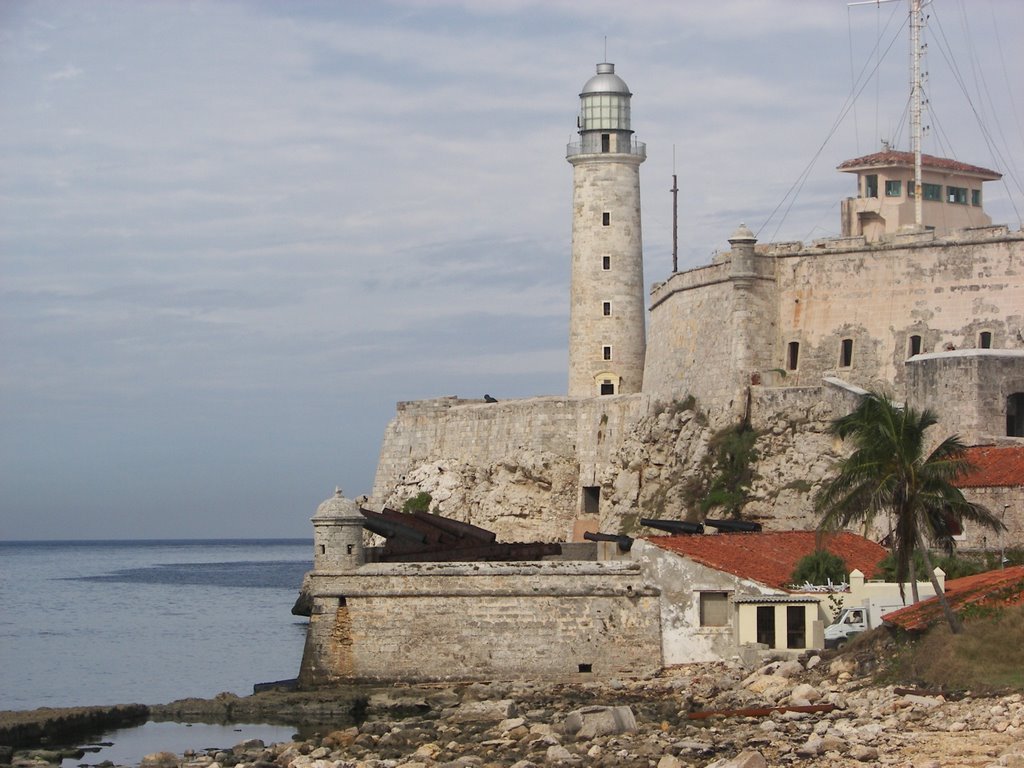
(607, 341)
(337, 535)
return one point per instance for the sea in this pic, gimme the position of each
(117, 622)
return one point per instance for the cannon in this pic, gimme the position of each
(734, 526)
(672, 526)
(625, 542)
(392, 530)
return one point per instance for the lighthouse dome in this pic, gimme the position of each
(605, 81)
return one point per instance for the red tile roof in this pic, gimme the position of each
(992, 588)
(893, 157)
(770, 558)
(994, 466)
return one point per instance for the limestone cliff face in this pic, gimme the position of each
(526, 496)
(661, 464)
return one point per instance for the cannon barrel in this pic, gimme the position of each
(672, 526)
(734, 526)
(457, 528)
(390, 530)
(625, 542)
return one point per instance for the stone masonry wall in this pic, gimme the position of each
(689, 349)
(946, 291)
(434, 621)
(1007, 504)
(969, 388)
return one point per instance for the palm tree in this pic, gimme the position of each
(889, 471)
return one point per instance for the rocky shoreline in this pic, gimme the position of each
(654, 723)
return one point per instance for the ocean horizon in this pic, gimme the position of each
(117, 621)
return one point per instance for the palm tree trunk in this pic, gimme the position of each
(954, 623)
(913, 580)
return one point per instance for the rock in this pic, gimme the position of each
(160, 760)
(790, 668)
(747, 759)
(591, 722)
(805, 692)
(924, 701)
(863, 753)
(483, 711)
(768, 685)
(556, 753)
(511, 723)
(670, 761)
(813, 747)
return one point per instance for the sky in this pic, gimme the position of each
(234, 234)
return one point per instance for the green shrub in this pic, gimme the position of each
(820, 567)
(418, 503)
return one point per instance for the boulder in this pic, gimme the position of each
(160, 760)
(591, 722)
(483, 711)
(747, 759)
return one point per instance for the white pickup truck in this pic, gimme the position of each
(858, 618)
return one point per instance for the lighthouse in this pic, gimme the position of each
(606, 316)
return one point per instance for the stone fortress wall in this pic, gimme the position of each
(556, 619)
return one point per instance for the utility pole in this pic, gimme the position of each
(675, 215)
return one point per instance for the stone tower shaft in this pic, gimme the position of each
(607, 340)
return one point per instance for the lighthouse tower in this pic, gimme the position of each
(606, 316)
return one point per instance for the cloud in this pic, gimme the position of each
(68, 72)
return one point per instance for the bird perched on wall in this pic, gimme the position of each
(489, 399)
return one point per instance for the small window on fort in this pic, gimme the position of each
(985, 340)
(591, 499)
(606, 219)
(714, 609)
(871, 185)
(606, 353)
(607, 387)
(976, 198)
(846, 353)
(792, 355)
(956, 195)
(606, 263)
(606, 308)
(606, 142)
(1015, 415)
(893, 188)
(323, 549)
(932, 191)
(915, 345)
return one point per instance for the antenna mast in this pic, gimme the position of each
(916, 23)
(675, 215)
(915, 106)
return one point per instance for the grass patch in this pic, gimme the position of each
(987, 656)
